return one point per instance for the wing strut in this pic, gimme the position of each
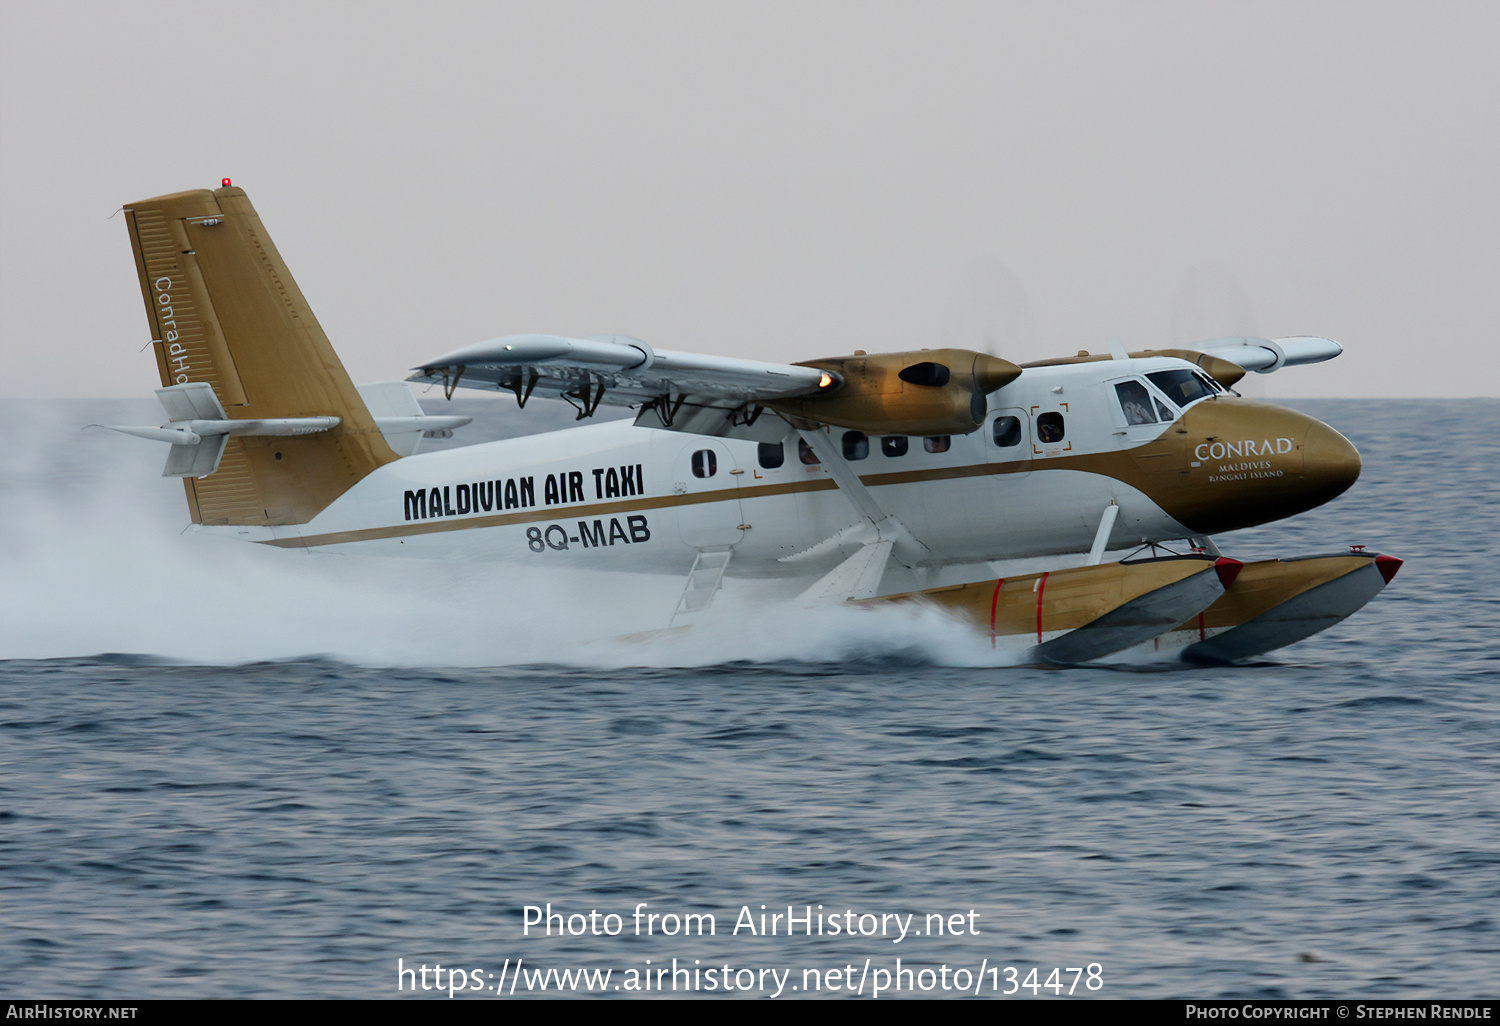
(1204, 543)
(882, 534)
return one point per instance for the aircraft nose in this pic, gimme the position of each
(1248, 463)
(1330, 463)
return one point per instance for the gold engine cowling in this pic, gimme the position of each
(924, 392)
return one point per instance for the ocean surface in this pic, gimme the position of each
(226, 772)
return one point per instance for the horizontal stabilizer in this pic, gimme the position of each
(197, 429)
(401, 419)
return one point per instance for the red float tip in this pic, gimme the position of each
(227, 183)
(1227, 569)
(1387, 565)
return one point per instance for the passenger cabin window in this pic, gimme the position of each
(938, 443)
(1049, 427)
(805, 453)
(893, 445)
(705, 464)
(1007, 431)
(1136, 402)
(856, 445)
(1181, 386)
(772, 455)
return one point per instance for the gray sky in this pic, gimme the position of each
(778, 181)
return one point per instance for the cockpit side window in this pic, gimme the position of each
(1136, 402)
(1183, 387)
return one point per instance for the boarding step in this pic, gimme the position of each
(703, 582)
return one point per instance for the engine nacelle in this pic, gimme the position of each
(924, 392)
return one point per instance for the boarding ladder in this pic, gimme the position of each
(703, 582)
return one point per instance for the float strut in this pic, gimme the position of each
(1101, 537)
(1206, 544)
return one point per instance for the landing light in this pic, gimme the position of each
(826, 380)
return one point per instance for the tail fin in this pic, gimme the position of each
(223, 309)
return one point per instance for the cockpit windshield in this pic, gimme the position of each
(1140, 406)
(1182, 386)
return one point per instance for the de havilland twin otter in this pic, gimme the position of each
(874, 478)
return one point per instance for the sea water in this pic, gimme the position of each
(227, 772)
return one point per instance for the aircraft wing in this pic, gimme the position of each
(1264, 355)
(714, 395)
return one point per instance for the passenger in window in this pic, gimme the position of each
(805, 453)
(1049, 427)
(938, 443)
(856, 445)
(893, 445)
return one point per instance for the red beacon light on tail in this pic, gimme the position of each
(227, 183)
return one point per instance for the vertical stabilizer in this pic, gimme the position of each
(223, 309)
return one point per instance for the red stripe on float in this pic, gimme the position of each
(994, 602)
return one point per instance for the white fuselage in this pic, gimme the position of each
(615, 496)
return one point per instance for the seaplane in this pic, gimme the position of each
(944, 477)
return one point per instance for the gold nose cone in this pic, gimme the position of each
(1330, 463)
(991, 372)
(1244, 463)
